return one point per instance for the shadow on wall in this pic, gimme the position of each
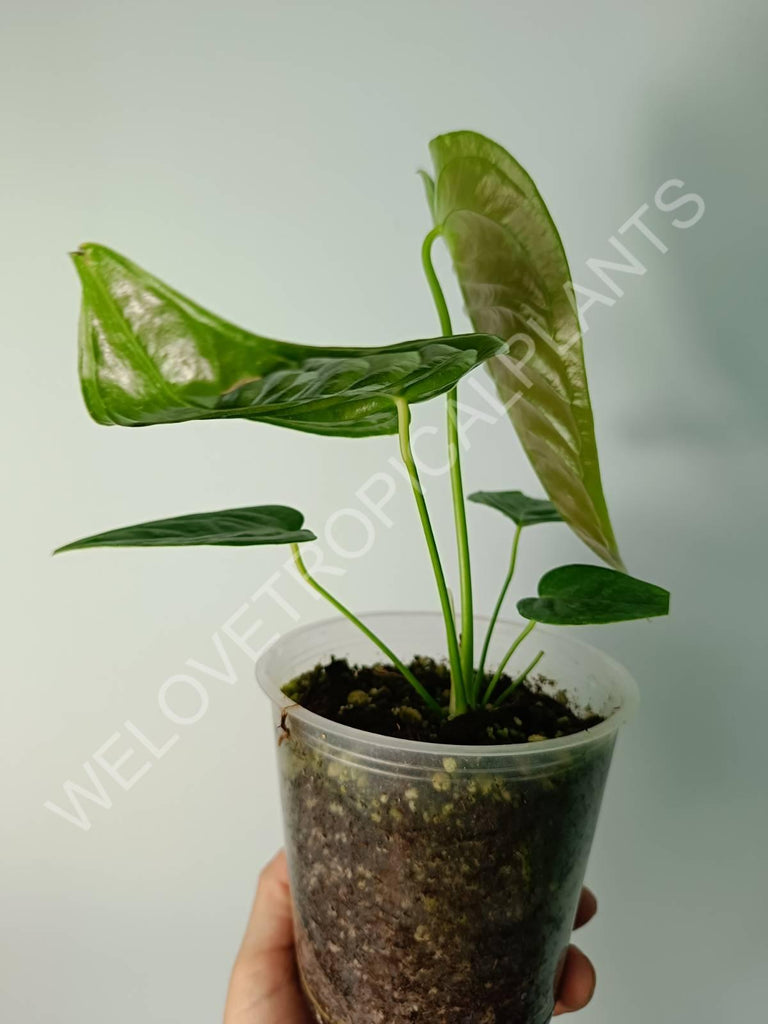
(700, 426)
(709, 128)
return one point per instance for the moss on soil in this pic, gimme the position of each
(378, 699)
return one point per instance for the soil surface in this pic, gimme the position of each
(379, 699)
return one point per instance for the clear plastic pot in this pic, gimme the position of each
(437, 882)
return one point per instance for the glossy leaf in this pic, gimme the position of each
(580, 595)
(516, 283)
(232, 527)
(149, 355)
(518, 507)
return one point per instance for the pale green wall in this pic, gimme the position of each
(261, 156)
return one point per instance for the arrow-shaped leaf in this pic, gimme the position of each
(518, 507)
(516, 284)
(149, 355)
(580, 595)
(233, 527)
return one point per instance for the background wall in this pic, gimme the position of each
(261, 157)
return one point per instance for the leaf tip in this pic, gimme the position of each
(88, 250)
(525, 608)
(83, 250)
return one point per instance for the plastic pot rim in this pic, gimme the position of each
(611, 724)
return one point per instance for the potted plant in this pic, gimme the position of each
(441, 773)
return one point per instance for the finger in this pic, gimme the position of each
(587, 908)
(577, 985)
(270, 926)
(264, 987)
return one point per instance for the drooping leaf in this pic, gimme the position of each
(518, 507)
(580, 595)
(232, 527)
(149, 355)
(516, 283)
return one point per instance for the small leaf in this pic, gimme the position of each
(149, 355)
(516, 283)
(519, 507)
(580, 595)
(233, 527)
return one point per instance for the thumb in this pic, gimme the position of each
(264, 988)
(270, 926)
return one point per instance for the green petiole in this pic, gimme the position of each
(502, 665)
(516, 682)
(478, 681)
(457, 485)
(401, 666)
(458, 704)
(462, 543)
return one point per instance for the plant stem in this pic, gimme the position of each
(403, 669)
(462, 542)
(497, 674)
(434, 283)
(458, 704)
(497, 609)
(457, 485)
(516, 682)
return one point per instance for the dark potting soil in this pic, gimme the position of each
(442, 896)
(380, 700)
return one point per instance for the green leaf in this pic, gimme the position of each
(149, 355)
(233, 527)
(519, 507)
(516, 283)
(580, 595)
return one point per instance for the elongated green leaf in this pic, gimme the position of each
(580, 595)
(516, 284)
(233, 527)
(518, 507)
(148, 355)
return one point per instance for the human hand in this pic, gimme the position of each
(265, 989)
